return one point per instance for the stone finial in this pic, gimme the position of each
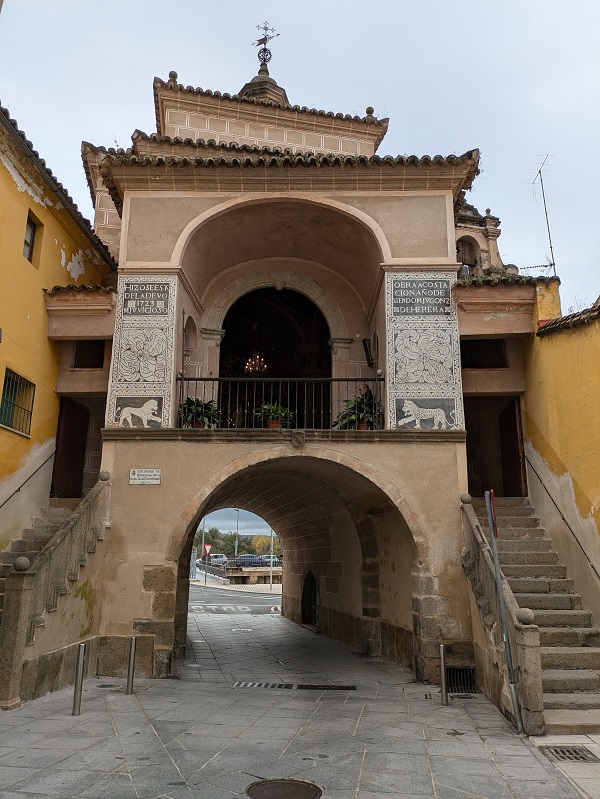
(370, 112)
(104, 476)
(173, 78)
(525, 616)
(465, 499)
(22, 564)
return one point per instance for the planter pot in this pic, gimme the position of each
(273, 424)
(363, 426)
(199, 425)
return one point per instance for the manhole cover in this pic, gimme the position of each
(573, 754)
(283, 789)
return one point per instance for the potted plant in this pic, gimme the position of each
(274, 415)
(360, 413)
(198, 413)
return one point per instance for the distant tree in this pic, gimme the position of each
(262, 545)
(211, 536)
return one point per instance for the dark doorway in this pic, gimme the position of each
(275, 351)
(495, 446)
(310, 600)
(69, 459)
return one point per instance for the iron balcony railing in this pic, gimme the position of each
(245, 402)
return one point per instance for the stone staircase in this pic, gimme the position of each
(35, 538)
(569, 643)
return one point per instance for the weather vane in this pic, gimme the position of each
(264, 54)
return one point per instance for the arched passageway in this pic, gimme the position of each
(338, 526)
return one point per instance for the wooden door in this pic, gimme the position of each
(511, 450)
(69, 460)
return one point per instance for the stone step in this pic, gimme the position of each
(502, 522)
(553, 602)
(541, 585)
(535, 570)
(582, 700)
(562, 618)
(518, 533)
(563, 681)
(2, 584)
(69, 503)
(55, 515)
(38, 534)
(25, 545)
(523, 545)
(570, 636)
(512, 510)
(570, 657)
(522, 558)
(10, 557)
(502, 501)
(572, 722)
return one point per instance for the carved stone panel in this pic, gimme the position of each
(423, 371)
(143, 351)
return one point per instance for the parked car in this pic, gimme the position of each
(218, 559)
(266, 560)
(248, 560)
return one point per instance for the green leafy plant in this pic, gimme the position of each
(274, 412)
(362, 410)
(198, 413)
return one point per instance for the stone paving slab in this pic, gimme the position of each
(198, 737)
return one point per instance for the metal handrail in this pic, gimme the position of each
(300, 403)
(562, 516)
(16, 491)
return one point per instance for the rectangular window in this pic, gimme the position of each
(29, 243)
(487, 353)
(89, 354)
(16, 406)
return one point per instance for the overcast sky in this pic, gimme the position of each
(226, 519)
(515, 78)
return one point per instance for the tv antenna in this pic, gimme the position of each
(539, 174)
(264, 54)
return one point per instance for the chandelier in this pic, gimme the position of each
(255, 364)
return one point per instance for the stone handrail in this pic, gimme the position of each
(32, 589)
(65, 553)
(523, 633)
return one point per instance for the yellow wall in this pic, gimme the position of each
(25, 347)
(562, 410)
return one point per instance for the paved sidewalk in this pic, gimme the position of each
(199, 737)
(259, 588)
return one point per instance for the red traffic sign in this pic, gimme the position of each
(207, 548)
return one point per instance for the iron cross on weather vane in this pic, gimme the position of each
(264, 54)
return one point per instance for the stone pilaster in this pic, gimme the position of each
(423, 374)
(143, 361)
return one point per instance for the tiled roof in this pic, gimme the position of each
(577, 319)
(12, 128)
(73, 287)
(174, 86)
(504, 280)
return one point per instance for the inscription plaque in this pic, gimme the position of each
(146, 299)
(419, 297)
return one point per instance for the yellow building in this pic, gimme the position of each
(44, 242)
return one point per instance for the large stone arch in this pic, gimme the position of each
(364, 220)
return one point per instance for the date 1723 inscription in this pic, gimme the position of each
(146, 299)
(413, 297)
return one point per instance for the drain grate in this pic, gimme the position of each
(297, 686)
(571, 754)
(284, 789)
(460, 679)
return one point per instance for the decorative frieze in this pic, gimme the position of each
(143, 353)
(423, 374)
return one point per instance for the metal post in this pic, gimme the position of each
(491, 513)
(443, 683)
(271, 564)
(78, 681)
(202, 552)
(237, 526)
(131, 668)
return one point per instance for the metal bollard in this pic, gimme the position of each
(443, 683)
(131, 669)
(78, 681)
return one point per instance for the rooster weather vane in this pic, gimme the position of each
(264, 54)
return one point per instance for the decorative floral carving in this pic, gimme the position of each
(423, 356)
(143, 356)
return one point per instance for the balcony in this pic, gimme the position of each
(289, 403)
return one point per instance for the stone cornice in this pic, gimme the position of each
(224, 436)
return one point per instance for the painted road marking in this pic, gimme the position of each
(235, 609)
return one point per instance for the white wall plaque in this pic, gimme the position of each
(144, 477)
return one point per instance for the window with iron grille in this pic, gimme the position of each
(29, 243)
(16, 406)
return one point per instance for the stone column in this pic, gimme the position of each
(143, 372)
(211, 343)
(340, 356)
(13, 634)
